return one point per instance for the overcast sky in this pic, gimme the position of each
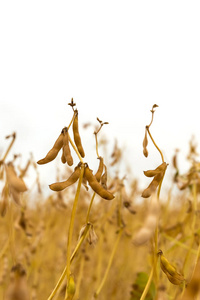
(115, 58)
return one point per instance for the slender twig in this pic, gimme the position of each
(89, 208)
(109, 264)
(147, 284)
(71, 225)
(147, 127)
(63, 275)
(9, 147)
(75, 149)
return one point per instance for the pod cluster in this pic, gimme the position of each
(94, 181)
(62, 142)
(157, 175)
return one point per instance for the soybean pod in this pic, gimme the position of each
(77, 138)
(145, 143)
(66, 153)
(14, 182)
(51, 155)
(152, 186)
(100, 169)
(104, 178)
(95, 185)
(159, 169)
(59, 186)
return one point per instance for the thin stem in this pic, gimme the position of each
(179, 243)
(71, 225)
(96, 144)
(194, 191)
(9, 147)
(62, 277)
(148, 284)
(11, 234)
(159, 187)
(155, 251)
(96, 132)
(147, 127)
(89, 208)
(24, 171)
(119, 210)
(196, 261)
(75, 149)
(80, 277)
(71, 120)
(3, 250)
(152, 111)
(109, 264)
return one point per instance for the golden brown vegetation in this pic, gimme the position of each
(75, 244)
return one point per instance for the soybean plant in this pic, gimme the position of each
(83, 174)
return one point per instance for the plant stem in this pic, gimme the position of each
(11, 234)
(179, 243)
(62, 277)
(147, 127)
(109, 264)
(71, 120)
(9, 147)
(80, 276)
(155, 251)
(196, 261)
(148, 284)
(89, 208)
(96, 144)
(4, 248)
(71, 225)
(194, 192)
(75, 149)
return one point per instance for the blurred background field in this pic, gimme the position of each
(34, 235)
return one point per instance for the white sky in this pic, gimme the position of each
(115, 58)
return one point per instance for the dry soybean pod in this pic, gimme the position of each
(152, 186)
(77, 138)
(66, 154)
(104, 178)
(51, 155)
(59, 186)
(95, 185)
(145, 143)
(159, 169)
(14, 181)
(100, 169)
